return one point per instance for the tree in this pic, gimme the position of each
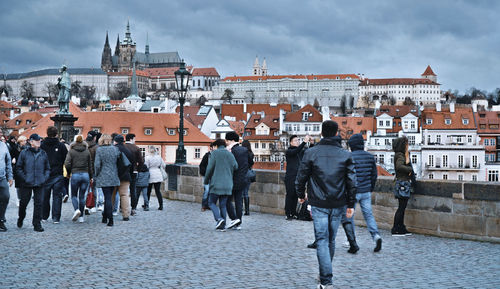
(227, 97)
(367, 101)
(343, 105)
(51, 90)
(86, 95)
(408, 101)
(27, 89)
(120, 92)
(76, 86)
(251, 96)
(392, 100)
(7, 89)
(316, 103)
(201, 100)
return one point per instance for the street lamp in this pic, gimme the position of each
(182, 82)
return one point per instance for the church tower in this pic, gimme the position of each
(127, 51)
(264, 68)
(429, 74)
(117, 47)
(256, 67)
(106, 63)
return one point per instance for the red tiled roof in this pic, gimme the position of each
(487, 118)
(383, 172)
(164, 72)
(428, 71)
(191, 114)
(297, 76)
(7, 105)
(297, 115)
(236, 110)
(210, 71)
(48, 109)
(396, 81)
(397, 111)
(33, 116)
(115, 102)
(354, 125)
(237, 126)
(438, 118)
(129, 73)
(272, 121)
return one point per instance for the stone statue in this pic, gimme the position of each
(64, 85)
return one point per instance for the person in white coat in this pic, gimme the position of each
(154, 162)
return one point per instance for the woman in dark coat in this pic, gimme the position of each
(404, 179)
(246, 199)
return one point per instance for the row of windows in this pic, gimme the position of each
(443, 161)
(460, 177)
(147, 131)
(489, 142)
(297, 127)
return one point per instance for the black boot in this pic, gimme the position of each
(313, 245)
(247, 206)
(349, 232)
(110, 222)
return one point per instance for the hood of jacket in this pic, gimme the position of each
(79, 146)
(399, 145)
(334, 140)
(356, 142)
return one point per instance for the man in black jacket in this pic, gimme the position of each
(56, 152)
(240, 179)
(294, 155)
(34, 170)
(125, 178)
(332, 180)
(203, 169)
(138, 161)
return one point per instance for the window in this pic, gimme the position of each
(438, 139)
(387, 142)
(411, 140)
(143, 152)
(263, 145)
(148, 131)
(276, 133)
(469, 139)
(493, 176)
(380, 123)
(445, 176)
(460, 161)
(256, 145)
(460, 177)
(171, 131)
(459, 139)
(413, 159)
(288, 127)
(381, 159)
(428, 121)
(307, 127)
(431, 176)
(428, 139)
(465, 121)
(305, 116)
(388, 123)
(474, 178)
(392, 159)
(197, 153)
(96, 129)
(295, 127)
(474, 161)
(493, 125)
(447, 121)
(431, 161)
(412, 125)
(482, 126)
(445, 161)
(124, 130)
(316, 127)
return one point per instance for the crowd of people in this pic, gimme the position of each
(110, 167)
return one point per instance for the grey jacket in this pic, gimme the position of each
(5, 164)
(220, 170)
(105, 167)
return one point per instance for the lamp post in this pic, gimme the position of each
(182, 82)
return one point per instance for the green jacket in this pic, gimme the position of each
(219, 173)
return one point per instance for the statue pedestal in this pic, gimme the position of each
(65, 124)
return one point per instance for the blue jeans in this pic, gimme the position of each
(365, 202)
(326, 222)
(238, 202)
(245, 190)
(144, 191)
(79, 185)
(220, 212)
(116, 202)
(204, 200)
(54, 185)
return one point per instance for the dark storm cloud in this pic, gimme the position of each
(459, 39)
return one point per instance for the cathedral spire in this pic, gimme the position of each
(117, 48)
(256, 66)
(264, 67)
(128, 39)
(147, 43)
(106, 62)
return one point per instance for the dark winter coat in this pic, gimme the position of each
(364, 162)
(18, 181)
(331, 174)
(404, 170)
(92, 145)
(78, 159)
(56, 152)
(126, 176)
(136, 152)
(33, 167)
(204, 163)
(105, 166)
(293, 157)
(240, 179)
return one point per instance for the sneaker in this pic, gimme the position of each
(80, 220)
(146, 208)
(39, 228)
(65, 198)
(115, 213)
(44, 220)
(313, 245)
(220, 225)
(133, 213)
(289, 218)
(325, 286)
(220, 230)
(19, 223)
(2, 227)
(234, 223)
(378, 245)
(238, 228)
(56, 221)
(87, 211)
(93, 210)
(100, 208)
(398, 234)
(126, 219)
(76, 215)
(346, 244)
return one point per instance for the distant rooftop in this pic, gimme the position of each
(54, 71)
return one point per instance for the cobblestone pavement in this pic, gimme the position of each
(179, 248)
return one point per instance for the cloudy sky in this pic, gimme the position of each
(459, 39)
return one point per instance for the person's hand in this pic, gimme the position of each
(302, 201)
(307, 138)
(349, 212)
(11, 182)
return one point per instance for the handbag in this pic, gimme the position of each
(90, 202)
(163, 173)
(402, 189)
(123, 164)
(251, 176)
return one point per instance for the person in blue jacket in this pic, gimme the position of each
(33, 169)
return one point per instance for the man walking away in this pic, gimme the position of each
(56, 152)
(34, 170)
(6, 178)
(136, 152)
(332, 178)
(203, 169)
(293, 157)
(125, 177)
(240, 179)
(366, 176)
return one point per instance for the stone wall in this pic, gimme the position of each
(451, 209)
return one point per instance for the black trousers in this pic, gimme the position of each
(399, 217)
(157, 191)
(291, 196)
(134, 195)
(37, 207)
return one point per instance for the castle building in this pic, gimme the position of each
(126, 54)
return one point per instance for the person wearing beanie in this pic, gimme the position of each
(78, 163)
(55, 185)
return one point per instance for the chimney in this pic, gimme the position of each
(474, 107)
(244, 107)
(452, 107)
(438, 106)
